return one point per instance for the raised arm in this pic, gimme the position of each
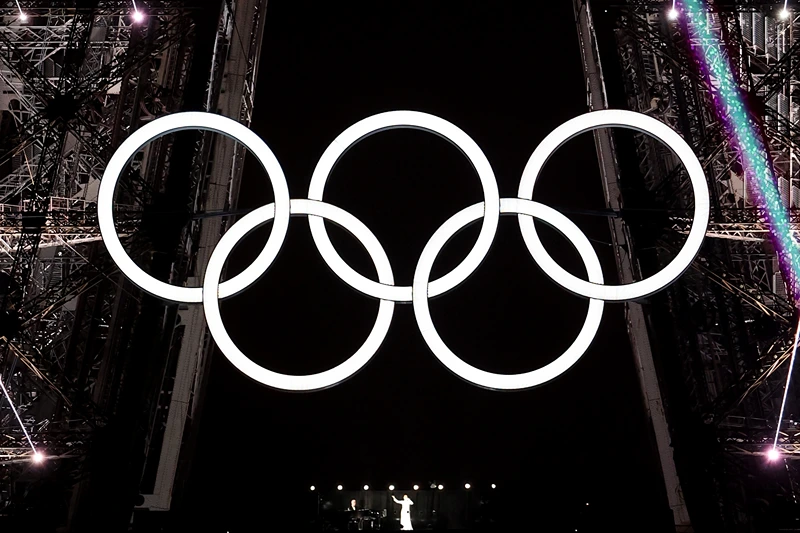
(396, 500)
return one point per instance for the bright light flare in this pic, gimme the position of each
(673, 14)
(784, 14)
(138, 16)
(441, 487)
(366, 487)
(38, 457)
(416, 487)
(391, 487)
(339, 487)
(313, 488)
(773, 455)
(23, 17)
(467, 486)
(494, 486)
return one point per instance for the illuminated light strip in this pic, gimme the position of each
(786, 388)
(25, 431)
(732, 112)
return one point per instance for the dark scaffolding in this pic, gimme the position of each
(89, 360)
(720, 338)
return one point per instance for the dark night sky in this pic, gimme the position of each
(507, 74)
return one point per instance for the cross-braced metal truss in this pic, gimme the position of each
(75, 79)
(726, 368)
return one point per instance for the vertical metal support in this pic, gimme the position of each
(237, 60)
(627, 266)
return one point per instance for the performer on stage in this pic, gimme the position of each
(405, 512)
(352, 505)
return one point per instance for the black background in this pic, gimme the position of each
(507, 74)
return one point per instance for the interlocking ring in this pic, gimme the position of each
(422, 288)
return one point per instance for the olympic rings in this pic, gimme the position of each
(421, 289)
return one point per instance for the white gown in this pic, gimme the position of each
(405, 513)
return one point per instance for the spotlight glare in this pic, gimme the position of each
(673, 14)
(773, 454)
(366, 487)
(416, 487)
(391, 487)
(138, 16)
(494, 486)
(313, 488)
(38, 457)
(339, 487)
(467, 486)
(23, 17)
(441, 487)
(784, 14)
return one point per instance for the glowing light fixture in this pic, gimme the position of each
(673, 13)
(339, 487)
(391, 487)
(38, 457)
(138, 16)
(313, 488)
(22, 16)
(494, 486)
(784, 14)
(366, 487)
(416, 487)
(467, 486)
(773, 454)
(441, 487)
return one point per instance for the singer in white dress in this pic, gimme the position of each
(405, 512)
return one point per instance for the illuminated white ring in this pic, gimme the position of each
(644, 124)
(267, 377)
(170, 124)
(457, 365)
(425, 122)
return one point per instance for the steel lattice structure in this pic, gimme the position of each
(75, 79)
(722, 335)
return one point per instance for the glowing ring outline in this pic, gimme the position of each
(406, 120)
(165, 125)
(610, 118)
(475, 375)
(588, 122)
(247, 366)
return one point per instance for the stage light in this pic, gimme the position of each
(38, 457)
(494, 486)
(441, 487)
(23, 17)
(673, 14)
(467, 486)
(138, 16)
(366, 487)
(313, 488)
(416, 487)
(339, 487)
(391, 487)
(773, 454)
